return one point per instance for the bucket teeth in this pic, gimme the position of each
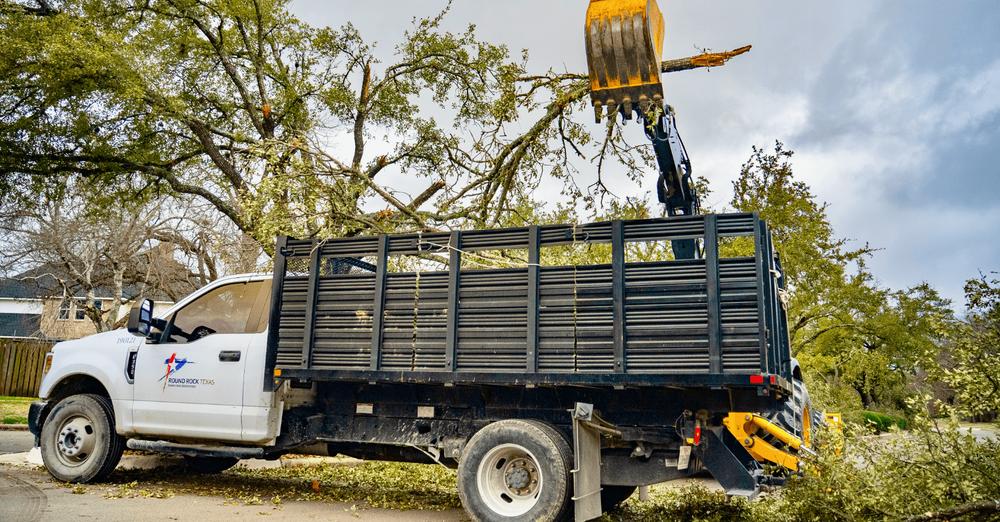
(612, 108)
(624, 40)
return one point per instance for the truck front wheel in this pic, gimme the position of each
(514, 470)
(78, 440)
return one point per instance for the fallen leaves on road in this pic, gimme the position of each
(132, 490)
(386, 485)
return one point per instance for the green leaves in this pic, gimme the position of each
(970, 363)
(858, 343)
(280, 126)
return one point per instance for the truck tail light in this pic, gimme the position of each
(697, 434)
(757, 379)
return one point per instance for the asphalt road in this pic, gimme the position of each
(15, 442)
(983, 432)
(20, 499)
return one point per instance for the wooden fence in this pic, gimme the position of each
(21, 365)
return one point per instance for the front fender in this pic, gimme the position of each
(54, 379)
(101, 357)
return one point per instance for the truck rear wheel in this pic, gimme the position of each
(514, 470)
(78, 439)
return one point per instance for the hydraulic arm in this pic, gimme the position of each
(624, 40)
(673, 187)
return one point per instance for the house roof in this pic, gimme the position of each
(27, 286)
(40, 283)
(19, 325)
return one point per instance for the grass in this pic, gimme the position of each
(14, 410)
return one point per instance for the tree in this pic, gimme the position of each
(233, 102)
(972, 356)
(98, 250)
(237, 103)
(859, 344)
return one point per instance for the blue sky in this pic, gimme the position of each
(893, 108)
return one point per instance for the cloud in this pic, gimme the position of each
(901, 139)
(893, 108)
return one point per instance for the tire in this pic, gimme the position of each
(78, 439)
(516, 470)
(209, 465)
(793, 412)
(613, 496)
(789, 416)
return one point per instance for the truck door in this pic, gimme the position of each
(190, 383)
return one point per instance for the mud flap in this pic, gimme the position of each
(737, 476)
(586, 465)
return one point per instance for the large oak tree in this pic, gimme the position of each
(288, 128)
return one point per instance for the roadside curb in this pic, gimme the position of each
(13, 427)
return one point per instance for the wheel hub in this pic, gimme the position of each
(509, 480)
(70, 443)
(521, 477)
(76, 440)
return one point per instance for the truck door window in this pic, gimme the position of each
(225, 309)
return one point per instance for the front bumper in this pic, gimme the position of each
(35, 418)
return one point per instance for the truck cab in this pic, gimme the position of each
(196, 375)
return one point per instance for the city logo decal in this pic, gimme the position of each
(174, 365)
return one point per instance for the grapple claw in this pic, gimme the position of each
(624, 45)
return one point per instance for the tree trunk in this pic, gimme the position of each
(118, 297)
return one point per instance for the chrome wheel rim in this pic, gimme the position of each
(75, 441)
(509, 480)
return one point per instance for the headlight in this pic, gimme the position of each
(47, 366)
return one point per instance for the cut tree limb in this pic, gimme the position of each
(701, 60)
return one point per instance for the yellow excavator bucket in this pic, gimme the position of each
(624, 46)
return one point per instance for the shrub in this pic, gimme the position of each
(932, 468)
(882, 422)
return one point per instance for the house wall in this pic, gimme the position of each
(52, 327)
(20, 306)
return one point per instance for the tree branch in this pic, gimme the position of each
(701, 60)
(979, 509)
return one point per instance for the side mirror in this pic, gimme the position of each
(141, 317)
